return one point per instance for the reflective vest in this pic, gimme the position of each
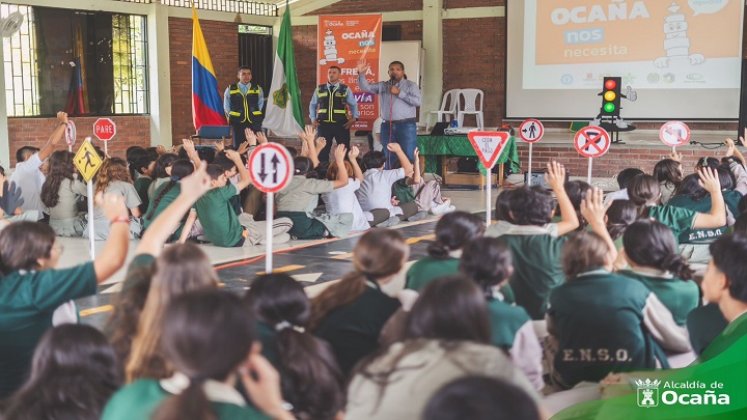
(244, 108)
(331, 104)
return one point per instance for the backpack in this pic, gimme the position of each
(404, 192)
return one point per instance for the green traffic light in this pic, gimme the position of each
(609, 107)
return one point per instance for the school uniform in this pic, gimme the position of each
(698, 236)
(605, 322)
(298, 202)
(733, 332)
(101, 223)
(64, 218)
(27, 301)
(536, 252)
(268, 337)
(155, 209)
(353, 329)
(427, 269)
(704, 324)
(140, 399)
(142, 183)
(679, 296)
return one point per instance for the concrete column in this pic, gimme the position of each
(4, 140)
(434, 57)
(159, 74)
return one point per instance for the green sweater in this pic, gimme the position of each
(679, 296)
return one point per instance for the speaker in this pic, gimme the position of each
(439, 128)
(742, 102)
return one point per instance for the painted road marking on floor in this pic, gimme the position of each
(308, 278)
(284, 269)
(96, 310)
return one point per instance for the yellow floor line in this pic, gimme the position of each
(284, 269)
(96, 310)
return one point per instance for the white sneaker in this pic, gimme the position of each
(442, 208)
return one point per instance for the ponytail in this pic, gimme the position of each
(342, 293)
(154, 204)
(438, 250)
(677, 265)
(649, 243)
(191, 403)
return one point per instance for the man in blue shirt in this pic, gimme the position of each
(327, 111)
(399, 99)
(243, 103)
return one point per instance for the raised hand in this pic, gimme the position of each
(234, 156)
(362, 66)
(219, 147)
(261, 137)
(340, 153)
(394, 147)
(730, 147)
(354, 152)
(709, 180)
(320, 143)
(62, 117)
(555, 176)
(189, 146)
(593, 208)
(250, 136)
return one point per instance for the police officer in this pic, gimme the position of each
(243, 103)
(327, 111)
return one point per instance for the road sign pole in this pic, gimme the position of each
(588, 177)
(529, 175)
(268, 232)
(91, 233)
(106, 148)
(489, 188)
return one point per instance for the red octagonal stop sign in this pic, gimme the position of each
(104, 129)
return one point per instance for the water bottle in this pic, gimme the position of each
(454, 124)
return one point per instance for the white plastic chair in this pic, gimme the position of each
(448, 108)
(473, 105)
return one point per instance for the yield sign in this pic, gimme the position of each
(674, 133)
(592, 141)
(488, 145)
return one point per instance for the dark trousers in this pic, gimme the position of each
(238, 131)
(332, 131)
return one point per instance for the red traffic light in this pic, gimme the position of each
(610, 84)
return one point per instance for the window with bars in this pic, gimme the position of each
(86, 63)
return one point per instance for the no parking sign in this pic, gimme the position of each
(592, 142)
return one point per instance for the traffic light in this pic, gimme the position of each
(611, 96)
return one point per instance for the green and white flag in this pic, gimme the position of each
(284, 115)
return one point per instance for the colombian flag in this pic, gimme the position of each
(207, 106)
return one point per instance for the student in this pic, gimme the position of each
(600, 322)
(343, 200)
(536, 244)
(644, 192)
(576, 191)
(725, 284)
(487, 262)
(31, 288)
(350, 314)
(447, 336)
(28, 175)
(669, 174)
(113, 178)
(299, 199)
(144, 167)
(427, 193)
(161, 172)
(651, 252)
(376, 189)
(453, 232)
(690, 195)
(309, 377)
(620, 214)
(208, 338)
(623, 180)
(481, 398)
(74, 373)
(704, 324)
(61, 192)
(181, 267)
(221, 224)
(167, 193)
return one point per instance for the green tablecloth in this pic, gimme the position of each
(433, 147)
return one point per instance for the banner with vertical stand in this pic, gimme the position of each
(88, 162)
(488, 146)
(592, 142)
(270, 169)
(674, 133)
(531, 131)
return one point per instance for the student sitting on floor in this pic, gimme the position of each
(74, 373)
(219, 221)
(577, 191)
(350, 314)
(32, 288)
(113, 178)
(536, 244)
(600, 322)
(725, 284)
(651, 252)
(644, 192)
(209, 340)
(453, 232)
(481, 398)
(623, 180)
(173, 271)
(299, 199)
(447, 336)
(376, 189)
(620, 214)
(669, 174)
(704, 324)
(691, 195)
(487, 262)
(142, 169)
(310, 379)
(61, 193)
(161, 172)
(426, 194)
(167, 193)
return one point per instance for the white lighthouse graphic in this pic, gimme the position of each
(676, 41)
(330, 49)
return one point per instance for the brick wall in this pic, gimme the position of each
(131, 131)
(453, 4)
(617, 159)
(222, 39)
(366, 6)
(472, 64)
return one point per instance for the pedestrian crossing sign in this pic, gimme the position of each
(87, 161)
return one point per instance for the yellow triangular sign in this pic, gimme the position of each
(87, 161)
